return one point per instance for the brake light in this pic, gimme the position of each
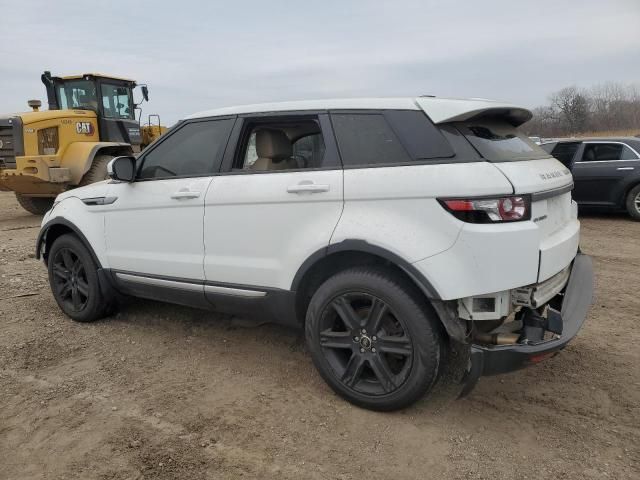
(489, 210)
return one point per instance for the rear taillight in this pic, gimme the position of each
(489, 210)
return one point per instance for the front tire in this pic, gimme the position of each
(35, 205)
(373, 339)
(633, 202)
(74, 280)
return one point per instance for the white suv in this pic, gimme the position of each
(405, 235)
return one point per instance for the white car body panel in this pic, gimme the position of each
(149, 232)
(530, 176)
(257, 233)
(395, 208)
(69, 206)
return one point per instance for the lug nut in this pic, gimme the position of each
(356, 339)
(362, 350)
(374, 338)
(373, 349)
(363, 330)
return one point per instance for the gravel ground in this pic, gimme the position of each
(162, 392)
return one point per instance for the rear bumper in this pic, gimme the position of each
(577, 299)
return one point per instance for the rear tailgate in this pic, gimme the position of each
(552, 210)
(532, 171)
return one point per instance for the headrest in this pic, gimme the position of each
(273, 144)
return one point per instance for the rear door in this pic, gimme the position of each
(601, 167)
(276, 202)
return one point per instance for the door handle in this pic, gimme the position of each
(308, 187)
(624, 168)
(185, 193)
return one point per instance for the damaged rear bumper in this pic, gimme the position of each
(577, 298)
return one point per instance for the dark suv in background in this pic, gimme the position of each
(606, 171)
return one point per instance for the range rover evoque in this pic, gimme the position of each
(419, 242)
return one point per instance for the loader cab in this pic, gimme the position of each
(110, 98)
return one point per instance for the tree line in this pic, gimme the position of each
(610, 107)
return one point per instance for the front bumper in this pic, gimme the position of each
(492, 360)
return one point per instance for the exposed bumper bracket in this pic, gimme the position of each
(577, 298)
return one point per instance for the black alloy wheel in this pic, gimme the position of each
(73, 277)
(70, 280)
(365, 343)
(374, 338)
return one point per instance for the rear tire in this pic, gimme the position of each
(73, 278)
(98, 170)
(633, 202)
(35, 205)
(373, 339)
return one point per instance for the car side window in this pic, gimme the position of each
(281, 144)
(367, 139)
(602, 152)
(194, 149)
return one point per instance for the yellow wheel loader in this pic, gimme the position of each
(91, 119)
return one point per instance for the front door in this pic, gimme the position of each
(154, 228)
(276, 202)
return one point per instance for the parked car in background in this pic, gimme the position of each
(606, 171)
(403, 235)
(536, 140)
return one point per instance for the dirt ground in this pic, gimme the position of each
(161, 392)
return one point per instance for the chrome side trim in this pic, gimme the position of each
(187, 285)
(551, 193)
(239, 292)
(99, 201)
(159, 282)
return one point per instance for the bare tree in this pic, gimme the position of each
(573, 106)
(602, 108)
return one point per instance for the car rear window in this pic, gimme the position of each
(498, 141)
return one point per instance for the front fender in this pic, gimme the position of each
(65, 217)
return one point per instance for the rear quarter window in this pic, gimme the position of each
(387, 138)
(498, 141)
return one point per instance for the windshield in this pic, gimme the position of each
(77, 94)
(498, 141)
(116, 101)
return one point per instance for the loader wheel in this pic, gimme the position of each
(98, 170)
(35, 205)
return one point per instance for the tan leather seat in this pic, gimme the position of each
(274, 151)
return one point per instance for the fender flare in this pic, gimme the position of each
(363, 246)
(42, 238)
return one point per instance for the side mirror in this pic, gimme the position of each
(122, 169)
(145, 93)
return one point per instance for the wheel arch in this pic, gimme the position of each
(349, 253)
(630, 185)
(56, 228)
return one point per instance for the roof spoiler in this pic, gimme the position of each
(445, 110)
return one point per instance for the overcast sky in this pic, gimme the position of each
(199, 54)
